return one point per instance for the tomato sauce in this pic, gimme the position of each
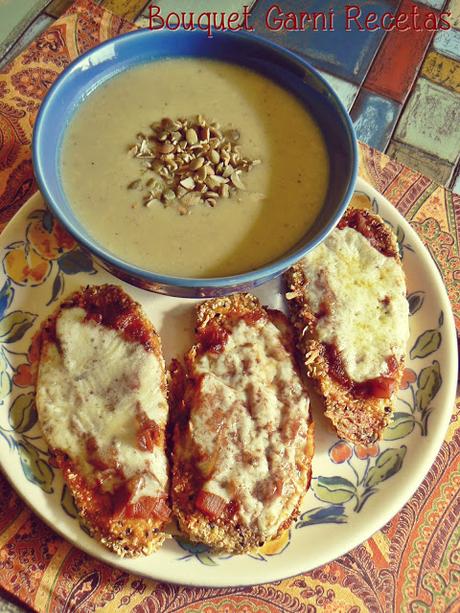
(380, 387)
(365, 224)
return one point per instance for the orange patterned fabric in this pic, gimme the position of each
(25, 81)
(412, 564)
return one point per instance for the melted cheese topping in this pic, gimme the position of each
(366, 294)
(251, 424)
(95, 386)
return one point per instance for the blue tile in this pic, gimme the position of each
(15, 17)
(435, 4)
(344, 54)
(456, 185)
(374, 118)
(431, 121)
(32, 32)
(447, 42)
(345, 91)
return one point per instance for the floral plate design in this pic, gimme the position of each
(355, 489)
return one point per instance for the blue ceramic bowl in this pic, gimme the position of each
(285, 68)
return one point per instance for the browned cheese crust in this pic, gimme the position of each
(356, 419)
(109, 306)
(226, 533)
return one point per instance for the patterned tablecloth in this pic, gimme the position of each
(412, 564)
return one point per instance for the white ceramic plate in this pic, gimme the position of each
(355, 490)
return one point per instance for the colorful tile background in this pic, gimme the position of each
(402, 88)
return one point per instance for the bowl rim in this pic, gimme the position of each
(259, 274)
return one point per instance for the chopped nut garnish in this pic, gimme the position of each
(135, 184)
(196, 163)
(214, 156)
(236, 180)
(169, 195)
(188, 183)
(191, 136)
(193, 161)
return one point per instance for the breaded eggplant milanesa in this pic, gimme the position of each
(348, 304)
(102, 405)
(243, 437)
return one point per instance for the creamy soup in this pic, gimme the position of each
(282, 194)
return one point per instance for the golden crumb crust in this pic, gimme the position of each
(110, 306)
(357, 419)
(226, 533)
